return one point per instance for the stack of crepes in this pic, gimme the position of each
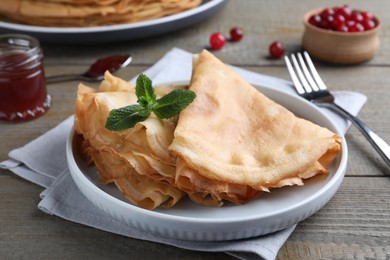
(231, 143)
(82, 13)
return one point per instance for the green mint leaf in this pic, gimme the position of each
(172, 103)
(144, 91)
(164, 107)
(126, 117)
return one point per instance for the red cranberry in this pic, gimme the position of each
(327, 12)
(217, 41)
(315, 20)
(345, 11)
(367, 15)
(342, 28)
(276, 50)
(368, 24)
(326, 22)
(357, 17)
(356, 27)
(236, 34)
(350, 23)
(338, 21)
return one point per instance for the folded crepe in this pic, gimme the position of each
(136, 159)
(233, 143)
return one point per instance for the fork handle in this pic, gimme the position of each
(378, 143)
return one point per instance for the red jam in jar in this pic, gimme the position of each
(23, 93)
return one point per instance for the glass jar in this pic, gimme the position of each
(23, 94)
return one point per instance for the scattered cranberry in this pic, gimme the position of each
(343, 19)
(217, 41)
(236, 34)
(276, 50)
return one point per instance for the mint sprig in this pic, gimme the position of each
(165, 107)
(145, 91)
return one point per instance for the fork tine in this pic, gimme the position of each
(301, 76)
(297, 84)
(314, 72)
(307, 73)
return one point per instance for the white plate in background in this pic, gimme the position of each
(119, 32)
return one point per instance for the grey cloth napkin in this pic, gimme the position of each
(43, 161)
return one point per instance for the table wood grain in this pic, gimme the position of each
(355, 224)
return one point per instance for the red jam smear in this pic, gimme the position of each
(111, 64)
(23, 93)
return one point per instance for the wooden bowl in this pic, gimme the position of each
(339, 47)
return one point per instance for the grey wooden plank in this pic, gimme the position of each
(354, 224)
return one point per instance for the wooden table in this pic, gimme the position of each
(354, 224)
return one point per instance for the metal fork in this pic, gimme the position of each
(309, 85)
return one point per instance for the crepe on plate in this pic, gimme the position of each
(83, 13)
(233, 143)
(137, 159)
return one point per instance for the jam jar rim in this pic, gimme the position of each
(32, 51)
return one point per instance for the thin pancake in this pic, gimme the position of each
(233, 142)
(137, 159)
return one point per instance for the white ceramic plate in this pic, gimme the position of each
(120, 32)
(271, 212)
